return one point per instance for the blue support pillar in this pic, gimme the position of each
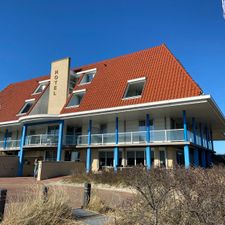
(116, 149)
(207, 137)
(148, 148)
(186, 146)
(21, 153)
(203, 159)
(60, 141)
(5, 138)
(196, 158)
(88, 157)
(211, 138)
(201, 134)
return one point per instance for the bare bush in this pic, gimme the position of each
(179, 196)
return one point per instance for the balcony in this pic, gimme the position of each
(124, 138)
(10, 145)
(41, 140)
(137, 137)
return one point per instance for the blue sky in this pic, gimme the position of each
(34, 33)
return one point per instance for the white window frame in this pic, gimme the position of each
(137, 80)
(73, 93)
(43, 82)
(25, 103)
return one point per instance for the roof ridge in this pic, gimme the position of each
(117, 57)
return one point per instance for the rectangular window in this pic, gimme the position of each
(106, 159)
(76, 98)
(131, 158)
(72, 156)
(40, 88)
(87, 78)
(162, 158)
(27, 106)
(134, 88)
(50, 155)
(103, 128)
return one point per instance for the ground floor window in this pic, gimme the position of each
(106, 159)
(180, 157)
(162, 158)
(135, 158)
(72, 156)
(50, 155)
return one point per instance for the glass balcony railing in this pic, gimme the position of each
(10, 144)
(2, 145)
(41, 140)
(137, 137)
(124, 138)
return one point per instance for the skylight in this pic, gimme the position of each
(40, 88)
(134, 88)
(27, 106)
(76, 98)
(87, 78)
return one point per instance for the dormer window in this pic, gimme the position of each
(88, 76)
(134, 88)
(27, 106)
(41, 87)
(76, 98)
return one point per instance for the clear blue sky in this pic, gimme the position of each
(35, 32)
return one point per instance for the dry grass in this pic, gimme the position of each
(32, 209)
(98, 205)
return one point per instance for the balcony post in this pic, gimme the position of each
(88, 157)
(5, 138)
(196, 158)
(21, 153)
(207, 137)
(186, 146)
(211, 138)
(116, 149)
(148, 148)
(201, 135)
(60, 141)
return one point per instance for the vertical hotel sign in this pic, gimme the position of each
(59, 85)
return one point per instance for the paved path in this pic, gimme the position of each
(112, 198)
(91, 218)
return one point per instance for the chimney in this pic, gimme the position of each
(59, 85)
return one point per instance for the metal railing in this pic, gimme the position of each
(10, 144)
(2, 143)
(41, 140)
(136, 137)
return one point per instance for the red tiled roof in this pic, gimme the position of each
(12, 98)
(165, 79)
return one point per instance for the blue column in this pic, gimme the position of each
(203, 159)
(88, 157)
(201, 134)
(196, 158)
(5, 138)
(211, 138)
(148, 148)
(116, 149)
(60, 141)
(186, 147)
(207, 137)
(21, 153)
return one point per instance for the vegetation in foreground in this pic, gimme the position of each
(32, 208)
(167, 197)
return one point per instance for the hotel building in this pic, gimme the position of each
(141, 108)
